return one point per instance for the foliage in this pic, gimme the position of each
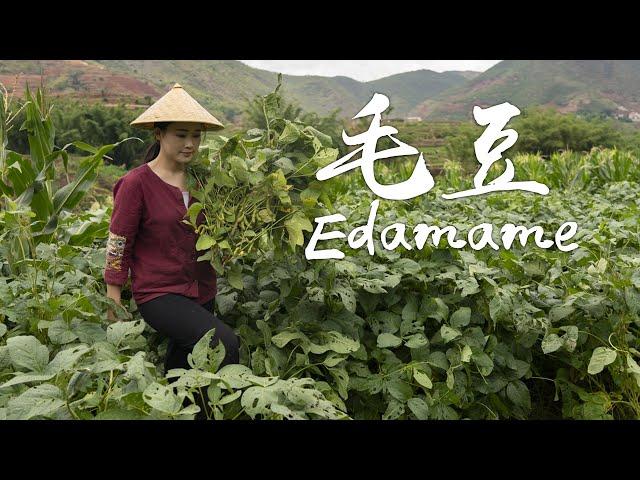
(96, 124)
(438, 333)
(254, 188)
(33, 210)
(547, 131)
(329, 124)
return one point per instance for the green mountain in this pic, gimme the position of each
(406, 90)
(224, 86)
(609, 87)
(227, 84)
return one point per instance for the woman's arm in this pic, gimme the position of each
(123, 229)
(114, 292)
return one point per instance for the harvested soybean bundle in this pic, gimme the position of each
(257, 189)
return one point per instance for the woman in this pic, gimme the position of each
(174, 292)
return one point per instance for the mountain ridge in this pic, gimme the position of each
(600, 87)
(223, 85)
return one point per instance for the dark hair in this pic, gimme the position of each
(154, 150)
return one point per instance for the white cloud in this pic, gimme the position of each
(366, 70)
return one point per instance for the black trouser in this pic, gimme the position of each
(185, 322)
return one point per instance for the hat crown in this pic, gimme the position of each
(177, 106)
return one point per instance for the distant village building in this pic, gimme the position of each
(634, 117)
(414, 119)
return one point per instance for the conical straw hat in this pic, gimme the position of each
(177, 106)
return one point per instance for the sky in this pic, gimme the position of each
(366, 70)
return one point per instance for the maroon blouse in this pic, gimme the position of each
(147, 235)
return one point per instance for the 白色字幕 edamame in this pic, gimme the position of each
(421, 232)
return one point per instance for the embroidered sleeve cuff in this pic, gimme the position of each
(116, 270)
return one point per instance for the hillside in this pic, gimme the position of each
(224, 86)
(609, 87)
(405, 90)
(227, 84)
(76, 79)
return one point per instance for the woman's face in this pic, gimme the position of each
(180, 141)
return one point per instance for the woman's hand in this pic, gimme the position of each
(114, 292)
(111, 315)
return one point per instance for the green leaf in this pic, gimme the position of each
(295, 225)
(66, 359)
(226, 302)
(460, 317)
(437, 309)
(601, 357)
(551, 343)
(240, 376)
(204, 242)
(501, 306)
(61, 332)
(84, 146)
(283, 338)
(394, 410)
(258, 401)
(399, 389)
(333, 359)
(40, 401)
(422, 378)
(450, 382)
(570, 338)
(632, 299)
(334, 341)
(407, 266)
(634, 368)
(469, 286)
(120, 333)
(438, 359)
(162, 398)
(67, 197)
(310, 195)
(27, 353)
(324, 157)
(203, 356)
(341, 378)
(448, 333)
(230, 398)
(518, 393)
(193, 212)
(410, 310)
(221, 178)
(325, 140)
(290, 134)
(348, 297)
(285, 164)
(234, 276)
(416, 340)
(466, 353)
(560, 311)
(21, 378)
(419, 408)
(388, 340)
(483, 362)
(119, 414)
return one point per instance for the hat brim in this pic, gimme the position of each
(151, 125)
